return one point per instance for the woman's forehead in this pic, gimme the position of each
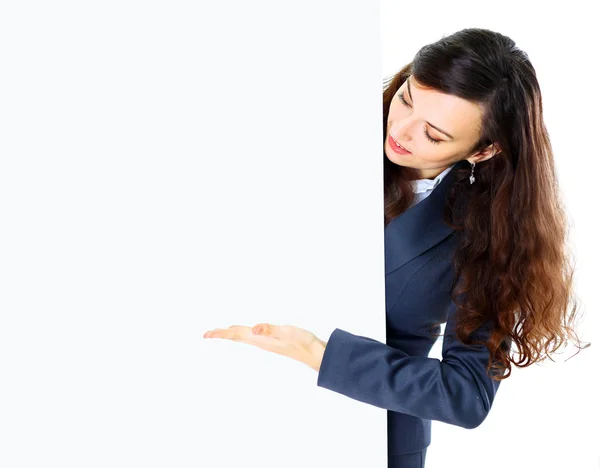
(457, 116)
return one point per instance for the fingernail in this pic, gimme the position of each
(257, 330)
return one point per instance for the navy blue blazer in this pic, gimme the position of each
(398, 375)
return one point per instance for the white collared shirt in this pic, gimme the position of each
(423, 187)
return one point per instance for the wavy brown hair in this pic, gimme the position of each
(512, 257)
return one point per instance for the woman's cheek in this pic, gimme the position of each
(429, 156)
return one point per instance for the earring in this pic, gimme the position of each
(472, 178)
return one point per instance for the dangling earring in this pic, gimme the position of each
(472, 178)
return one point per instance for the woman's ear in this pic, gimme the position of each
(486, 153)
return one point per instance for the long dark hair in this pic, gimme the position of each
(512, 258)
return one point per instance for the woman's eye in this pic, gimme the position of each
(432, 140)
(403, 100)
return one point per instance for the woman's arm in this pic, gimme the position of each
(455, 390)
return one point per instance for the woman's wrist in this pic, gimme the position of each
(316, 352)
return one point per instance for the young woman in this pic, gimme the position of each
(475, 237)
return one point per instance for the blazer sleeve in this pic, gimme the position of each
(456, 390)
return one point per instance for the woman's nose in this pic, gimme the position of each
(402, 132)
(404, 125)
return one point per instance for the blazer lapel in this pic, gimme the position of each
(420, 227)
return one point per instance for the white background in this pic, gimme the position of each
(167, 169)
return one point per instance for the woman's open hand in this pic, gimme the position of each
(287, 340)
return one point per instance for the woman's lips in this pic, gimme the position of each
(397, 148)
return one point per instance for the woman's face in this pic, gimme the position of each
(428, 114)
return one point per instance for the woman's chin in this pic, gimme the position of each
(399, 159)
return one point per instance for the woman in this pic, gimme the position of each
(475, 236)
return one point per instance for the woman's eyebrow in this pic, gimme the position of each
(429, 123)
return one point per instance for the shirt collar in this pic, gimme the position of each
(423, 185)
